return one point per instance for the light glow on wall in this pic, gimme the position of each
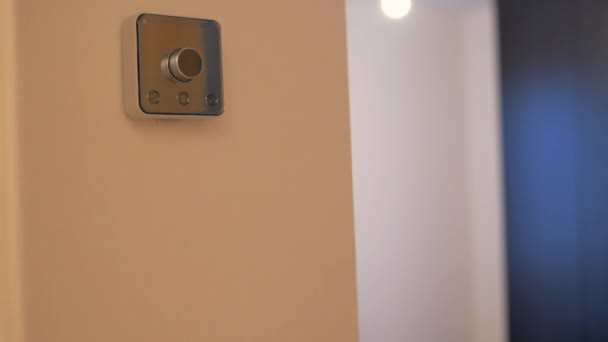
(396, 9)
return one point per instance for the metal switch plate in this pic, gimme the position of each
(172, 67)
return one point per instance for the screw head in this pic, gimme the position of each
(212, 99)
(183, 98)
(154, 97)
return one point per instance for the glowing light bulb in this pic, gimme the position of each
(396, 8)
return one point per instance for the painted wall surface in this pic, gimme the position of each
(235, 228)
(426, 173)
(10, 289)
(486, 220)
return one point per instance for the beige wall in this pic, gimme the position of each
(236, 228)
(426, 172)
(10, 287)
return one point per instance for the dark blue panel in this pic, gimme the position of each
(539, 74)
(592, 119)
(555, 111)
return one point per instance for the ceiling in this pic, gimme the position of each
(453, 4)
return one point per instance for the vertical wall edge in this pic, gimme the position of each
(11, 323)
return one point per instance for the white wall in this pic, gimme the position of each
(425, 161)
(486, 220)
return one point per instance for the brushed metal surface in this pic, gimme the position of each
(184, 64)
(178, 55)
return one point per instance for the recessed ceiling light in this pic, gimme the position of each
(396, 8)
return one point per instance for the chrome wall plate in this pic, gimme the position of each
(172, 67)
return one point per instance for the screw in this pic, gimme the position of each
(212, 99)
(183, 98)
(154, 97)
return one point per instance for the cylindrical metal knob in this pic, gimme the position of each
(185, 64)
